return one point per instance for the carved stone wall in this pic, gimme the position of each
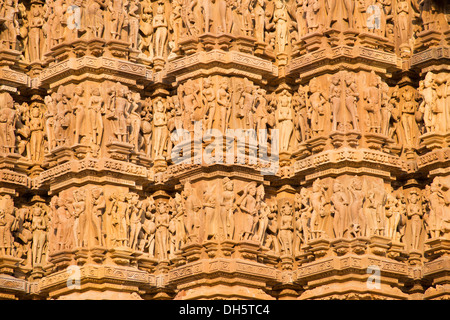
(195, 149)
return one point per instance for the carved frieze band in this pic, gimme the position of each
(238, 60)
(101, 64)
(325, 55)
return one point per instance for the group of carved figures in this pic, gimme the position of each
(81, 115)
(155, 28)
(161, 227)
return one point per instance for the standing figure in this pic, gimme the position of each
(146, 32)
(357, 219)
(260, 20)
(408, 117)
(176, 21)
(118, 15)
(280, 19)
(392, 216)
(192, 206)
(223, 102)
(209, 208)
(118, 220)
(133, 22)
(415, 214)
(340, 14)
(317, 106)
(318, 213)
(351, 98)
(94, 19)
(134, 215)
(39, 229)
(98, 208)
(403, 24)
(135, 119)
(79, 111)
(284, 119)
(340, 202)
(335, 101)
(162, 230)
(36, 125)
(95, 109)
(247, 204)
(118, 106)
(209, 102)
(49, 116)
(80, 225)
(160, 133)
(160, 31)
(285, 233)
(372, 97)
(311, 14)
(35, 35)
(370, 213)
(227, 208)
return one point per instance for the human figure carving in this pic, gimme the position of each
(160, 133)
(341, 13)
(224, 104)
(209, 102)
(39, 228)
(162, 233)
(284, 119)
(285, 233)
(227, 208)
(340, 201)
(372, 97)
(317, 106)
(318, 201)
(351, 98)
(415, 214)
(247, 203)
(160, 30)
(80, 224)
(36, 125)
(280, 19)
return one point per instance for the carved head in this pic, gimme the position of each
(429, 79)
(316, 185)
(162, 207)
(227, 184)
(252, 188)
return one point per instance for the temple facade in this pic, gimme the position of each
(227, 149)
